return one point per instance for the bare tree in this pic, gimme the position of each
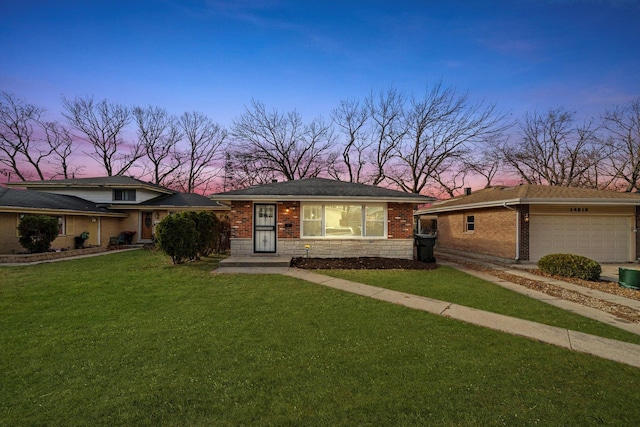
(159, 134)
(282, 143)
(242, 172)
(205, 140)
(386, 111)
(485, 161)
(623, 143)
(19, 143)
(351, 118)
(441, 129)
(101, 124)
(552, 150)
(62, 145)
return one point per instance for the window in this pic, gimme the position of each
(312, 220)
(124, 195)
(344, 221)
(469, 224)
(62, 225)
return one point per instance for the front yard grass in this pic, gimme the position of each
(128, 339)
(451, 285)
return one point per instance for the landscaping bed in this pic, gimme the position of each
(361, 263)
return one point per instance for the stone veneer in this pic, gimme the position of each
(330, 248)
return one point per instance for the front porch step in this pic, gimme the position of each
(257, 261)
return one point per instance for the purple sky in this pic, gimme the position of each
(215, 56)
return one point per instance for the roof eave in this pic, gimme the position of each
(365, 199)
(53, 185)
(49, 211)
(512, 202)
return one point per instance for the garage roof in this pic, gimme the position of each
(533, 195)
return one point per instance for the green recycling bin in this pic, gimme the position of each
(628, 278)
(425, 244)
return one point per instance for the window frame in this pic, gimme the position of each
(469, 223)
(363, 221)
(125, 193)
(62, 223)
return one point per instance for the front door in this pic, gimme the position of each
(264, 228)
(146, 232)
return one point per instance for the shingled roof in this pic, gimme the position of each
(320, 189)
(96, 182)
(183, 200)
(533, 195)
(30, 201)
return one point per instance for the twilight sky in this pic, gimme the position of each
(214, 56)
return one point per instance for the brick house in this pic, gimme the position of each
(326, 217)
(526, 222)
(104, 207)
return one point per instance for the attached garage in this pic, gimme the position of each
(604, 235)
(526, 222)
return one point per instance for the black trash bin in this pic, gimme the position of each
(425, 244)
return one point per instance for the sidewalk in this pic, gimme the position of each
(602, 347)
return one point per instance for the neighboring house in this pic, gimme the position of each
(527, 222)
(329, 218)
(75, 215)
(114, 204)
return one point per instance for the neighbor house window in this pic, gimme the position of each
(470, 223)
(346, 221)
(62, 225)
(124, 195)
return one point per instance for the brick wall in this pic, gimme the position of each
(494, 234)
(523, 211)
(241, 215)
(288, 220)
(400, 221)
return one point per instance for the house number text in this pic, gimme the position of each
(578, 209)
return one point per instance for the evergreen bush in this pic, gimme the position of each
(37, 232)
(568, 265)
(177, 236)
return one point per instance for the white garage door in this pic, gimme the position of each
(601, 238)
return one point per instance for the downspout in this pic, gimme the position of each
(517, 229)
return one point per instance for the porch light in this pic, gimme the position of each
(526, 217)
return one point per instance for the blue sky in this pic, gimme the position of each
(216, 56)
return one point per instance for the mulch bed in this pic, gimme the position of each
(362, 263)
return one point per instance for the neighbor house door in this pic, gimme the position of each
(146, 228)
(264, 228)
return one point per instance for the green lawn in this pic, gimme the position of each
(128, 339)
(449, 284)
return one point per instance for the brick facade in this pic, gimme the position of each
(398, 245)
(241, 215)
(400, 221)
(494, 233)
(523, 211)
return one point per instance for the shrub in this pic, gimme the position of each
(37, 232)
(568, 265)
(177, 236)
(207, 226)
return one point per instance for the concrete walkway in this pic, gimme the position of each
(602, 347)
